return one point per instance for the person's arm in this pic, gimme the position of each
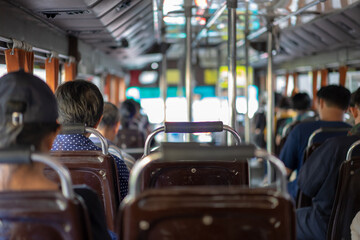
(289, 153)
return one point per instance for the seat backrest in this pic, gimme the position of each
(207, 213)
(96, 170)
(194, 173)
(40, 215)
(301, 199)
(347, 200)
(129, 138)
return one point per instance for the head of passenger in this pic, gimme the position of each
(301, 102)
(110, 122)
(79, 101)
(28, 118)
(127, 113)
(355, 105)
(332, 102)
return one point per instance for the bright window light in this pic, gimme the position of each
(148, 77)
(40, 73)
(176, 109)
(133, 92)
(3, 70)
(207, 109)
(154, 108)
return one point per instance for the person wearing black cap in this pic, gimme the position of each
(28, 117)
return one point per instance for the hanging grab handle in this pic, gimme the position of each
(193, 127)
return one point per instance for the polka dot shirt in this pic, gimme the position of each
(78, 142)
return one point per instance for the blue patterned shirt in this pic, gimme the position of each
(78, 142)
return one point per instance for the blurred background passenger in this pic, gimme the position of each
(110, 122)
(129, 135)
(108, 127)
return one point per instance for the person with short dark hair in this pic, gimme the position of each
(318, 179)
(301, 103)
(332, 102)
(110, 122)
(28, 118)
(81, 101)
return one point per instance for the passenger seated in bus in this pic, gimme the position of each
(332, 103)
(37, 128)
(301, 105)
(109, 124)
(129, 135)
(318, 180)
(81, 101)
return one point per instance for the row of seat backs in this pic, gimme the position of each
(97, 171)
(207, 213)
(347, 200)
(41, 215)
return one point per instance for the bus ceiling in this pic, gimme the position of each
(130, 34)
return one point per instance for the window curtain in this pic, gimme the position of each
(19, 57)
(324, 77)
(107, 86)
(342, 73)
(70, 70)
(52, 71)
(314, 83)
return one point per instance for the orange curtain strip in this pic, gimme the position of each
(15, 59)
(286, 83)
(296, 84)
(122, 90)
(70, 71)
(314, 88)
(52, 72)
(107, 91)
(117, 90)
(342, 73)
(324, 77)
(29, 62)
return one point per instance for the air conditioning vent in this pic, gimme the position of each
(83, 32)
(53, 14)
(124, 4)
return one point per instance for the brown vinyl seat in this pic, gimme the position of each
(347, 200)
(96, 170)
(129, 138)
(40, 215)
(194, 173)
(207, 213)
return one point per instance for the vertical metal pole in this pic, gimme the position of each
(270, 102)
(163, 80)
(247, 45)
(188, 57)
(217, 87)
(232, 5)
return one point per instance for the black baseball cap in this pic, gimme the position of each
(24, 93)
